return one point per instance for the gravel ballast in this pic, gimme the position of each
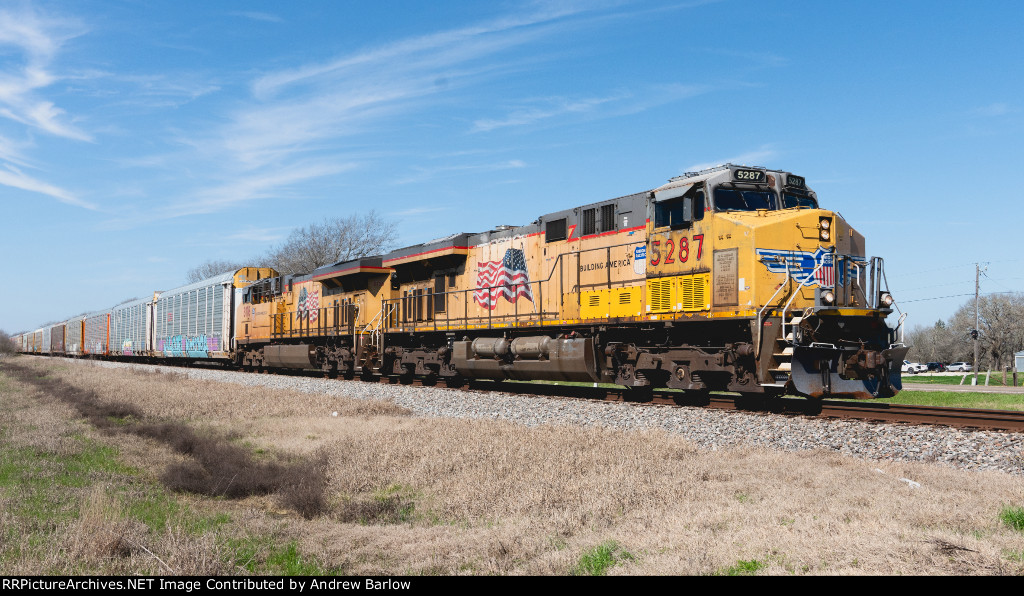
(707, 428)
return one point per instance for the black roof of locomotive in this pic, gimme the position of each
(628, 204)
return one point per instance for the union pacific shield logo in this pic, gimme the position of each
(802, 265)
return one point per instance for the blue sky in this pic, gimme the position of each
(140, 139)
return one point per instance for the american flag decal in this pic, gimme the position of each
(826, 274)
(507, 277)
(309, 302)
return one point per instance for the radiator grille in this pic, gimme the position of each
(659, 294)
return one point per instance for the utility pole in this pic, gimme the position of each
(977, 320)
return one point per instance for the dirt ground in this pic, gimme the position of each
(383, 492)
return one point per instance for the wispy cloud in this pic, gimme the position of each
(233, 192)
(419, 211)
(424, 53)
(11, 151)
(422, 173)
(298, 121)
(37, 39)
(257, 16)
(14, 177)
(757, 157)
(323, 118)
(545, 110)
(555, 107)
(994, 110)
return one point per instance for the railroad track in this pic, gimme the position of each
(869, 411)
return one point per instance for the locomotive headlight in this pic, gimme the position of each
(886, 299)
(824, 224)
(824, 234)
(828, 297)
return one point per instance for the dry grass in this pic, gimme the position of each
(404, 495)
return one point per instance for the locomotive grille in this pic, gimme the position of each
(693, 293)
(660, 294)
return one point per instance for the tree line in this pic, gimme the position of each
(1000, 333)
(330, 241)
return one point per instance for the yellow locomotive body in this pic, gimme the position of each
(728, 279)
(312, 321)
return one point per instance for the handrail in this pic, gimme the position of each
(382, 315)
(802, 285)
(760, 324)
(395, 302)
(785, 283)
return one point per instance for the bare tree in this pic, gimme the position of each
(1001, 329)
(332, 240)
(932, 343)
(211, 268)
(6, 343)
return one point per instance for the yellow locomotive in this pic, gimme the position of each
(732, 279)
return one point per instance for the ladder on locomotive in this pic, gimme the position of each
(782, 354)
(374, 331)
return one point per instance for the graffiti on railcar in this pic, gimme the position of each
(195, 346)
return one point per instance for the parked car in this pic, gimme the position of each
(937, 366)
(960, 367)
(913, 367)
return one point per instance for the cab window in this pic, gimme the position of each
(728, 199)
(680, 211)
(790, 199)
(669, 213)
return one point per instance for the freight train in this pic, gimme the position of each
(727, 279)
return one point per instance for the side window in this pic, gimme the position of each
(672, 213)
(680, 212)
(555, 230)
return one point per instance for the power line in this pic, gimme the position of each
(956, 296)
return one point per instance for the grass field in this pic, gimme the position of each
(956, 399)
(110, 471)
(995, 379)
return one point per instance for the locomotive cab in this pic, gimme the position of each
(817, 305)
